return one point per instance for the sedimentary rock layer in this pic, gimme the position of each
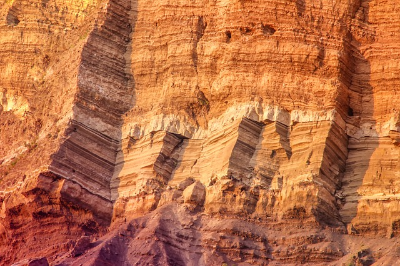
(202, 132)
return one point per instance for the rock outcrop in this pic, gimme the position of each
(199, 133)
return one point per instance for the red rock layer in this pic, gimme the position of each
(158, 119)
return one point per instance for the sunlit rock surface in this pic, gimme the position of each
(199, 132)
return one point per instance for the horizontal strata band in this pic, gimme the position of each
(263, 155)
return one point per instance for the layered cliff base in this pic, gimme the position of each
(201, 133)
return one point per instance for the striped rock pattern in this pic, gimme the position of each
(199, 132)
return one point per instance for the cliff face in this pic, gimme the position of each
(200, 132)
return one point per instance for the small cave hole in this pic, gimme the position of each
(273, 154)
(267, 29)
(228, 36)
(350, 112)
(45, 2)
(245, 30)
(46, 61)
(12, 20)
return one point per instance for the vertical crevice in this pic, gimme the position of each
(360, 112)
(87, 158)
(284, 138)
(244, 149)
(201, 26)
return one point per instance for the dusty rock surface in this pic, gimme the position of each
(199, 132)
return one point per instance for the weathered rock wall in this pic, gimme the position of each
(105, 92)
(271, 114)
(369, 183)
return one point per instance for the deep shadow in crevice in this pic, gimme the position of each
(12, 18)
(301, 7)
(87, 158)
(228, 36)
(284, 138)
(199, 33)
(360, 114)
